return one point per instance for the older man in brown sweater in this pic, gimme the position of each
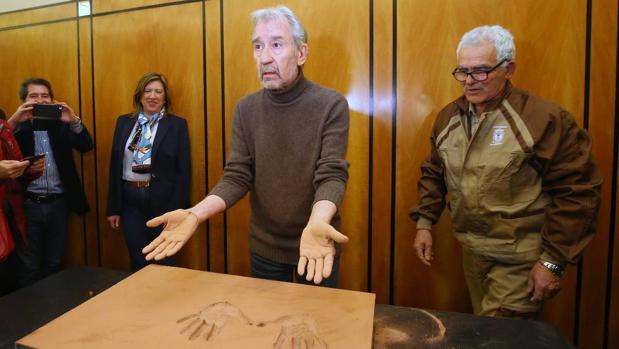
(288, 146)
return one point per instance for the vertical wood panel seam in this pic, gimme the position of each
(371, 145)
(79, 108)
(579, 273)
(223, 121)
(613, 203)
(394, 106)
(94, 135)
(205, 125)
(587, 66)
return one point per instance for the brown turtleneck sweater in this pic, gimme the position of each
(288, 150)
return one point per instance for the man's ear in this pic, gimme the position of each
(511, 69)
(302, 54)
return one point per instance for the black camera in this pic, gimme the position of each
(45, 116)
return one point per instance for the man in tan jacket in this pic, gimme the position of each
(517, 175)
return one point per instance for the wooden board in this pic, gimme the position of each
(147, 309)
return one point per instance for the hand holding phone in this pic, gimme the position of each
(32, 159)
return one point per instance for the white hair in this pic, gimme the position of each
(282, 13)
(500, 37)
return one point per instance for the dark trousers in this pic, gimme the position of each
(46, 232)
(8, 274)
(263, 268)
(135, 213)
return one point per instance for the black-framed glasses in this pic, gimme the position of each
(477, 74)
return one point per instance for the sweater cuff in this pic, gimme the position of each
(424, 224)
(332, 191)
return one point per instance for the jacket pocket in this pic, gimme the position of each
(516, 183)
(452, 162)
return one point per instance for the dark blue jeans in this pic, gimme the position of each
(263, 268)
(135, 213)
(46, 231)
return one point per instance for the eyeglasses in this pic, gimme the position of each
(477, 74)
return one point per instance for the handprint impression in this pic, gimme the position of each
(212, 319)
(297, 331)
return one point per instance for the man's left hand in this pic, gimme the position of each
(68, 115)
(317, 250)
(543, 283)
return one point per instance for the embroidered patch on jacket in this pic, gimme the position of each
(498, 135)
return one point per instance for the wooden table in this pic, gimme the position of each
(26, 310)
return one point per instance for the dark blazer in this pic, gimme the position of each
(63, 141)
(170, 165)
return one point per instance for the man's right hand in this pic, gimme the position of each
(114, 221)
(11, 169)
(36, 169)
(179, 226)
(23, 113)
(423, 246)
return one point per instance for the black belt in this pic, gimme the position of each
(39, 198)
(138, 184)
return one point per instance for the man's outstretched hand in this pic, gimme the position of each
(178, 227)
(317, 250)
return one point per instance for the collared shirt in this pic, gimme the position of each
(472, 120)
(49, 182)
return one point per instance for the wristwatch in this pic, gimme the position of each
(556, 269)
(77, 120)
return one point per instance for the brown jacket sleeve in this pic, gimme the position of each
(572, 179)
(431, 188)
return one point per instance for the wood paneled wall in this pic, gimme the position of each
(391, 59)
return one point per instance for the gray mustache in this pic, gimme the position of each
(264, 70)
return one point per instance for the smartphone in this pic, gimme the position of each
(32, 159)
(46, 111)
(46, 116)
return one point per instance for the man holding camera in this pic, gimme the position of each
(49, 198)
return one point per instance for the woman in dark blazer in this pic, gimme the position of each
(149, 168)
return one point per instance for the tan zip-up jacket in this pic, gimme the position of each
(523, 184)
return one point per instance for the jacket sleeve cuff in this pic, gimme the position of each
(424, 224)
(547, 257)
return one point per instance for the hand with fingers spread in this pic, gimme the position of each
(317, 250)
(179, 226)
(11, 169)
(423, 246)
(542, 284)
(211, 320)
(297, 331)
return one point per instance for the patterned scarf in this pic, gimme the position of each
(142, 143)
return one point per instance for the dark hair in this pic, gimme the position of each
(2, 115)
(139, 91)
(23, 88)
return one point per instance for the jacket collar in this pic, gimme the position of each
(463, 103)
